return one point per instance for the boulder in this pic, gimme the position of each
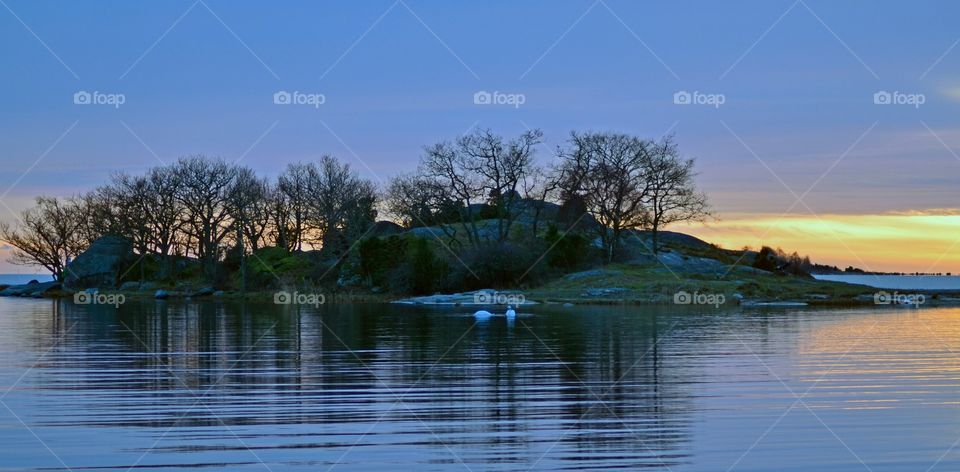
(130, 286)
(101, 265)
(592, 273)
(605, 292)
(477, 298)
(13, 291)
(203, 292)
(385, 228)
(147, 286)
(34, 289)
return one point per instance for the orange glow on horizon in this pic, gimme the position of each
(896, 242)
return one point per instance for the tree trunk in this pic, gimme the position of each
(653, 232)
(243, 261)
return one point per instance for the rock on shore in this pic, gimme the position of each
(33, 289)
(476, 298)
(101, 265)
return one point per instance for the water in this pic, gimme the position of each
(898, 282)
(171, 386)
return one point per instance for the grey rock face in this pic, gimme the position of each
(101, 265)
(34, 289)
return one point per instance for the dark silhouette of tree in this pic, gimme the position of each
(672, 196)
(48, 235)
(481, 168)
(606, 171)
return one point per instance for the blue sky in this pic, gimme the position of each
(797, 78)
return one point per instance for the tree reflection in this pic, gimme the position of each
(585, 385)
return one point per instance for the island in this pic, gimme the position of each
(478, 216)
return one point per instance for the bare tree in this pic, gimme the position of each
(414, 200)
(361, 211)
(448, 171)
(502, 167)
(163, 212)
(245, 200)
(128, 198)
(481, 168)
(339, 202)
(672, 196)
(204, 194)
(48, 236)
(280, 230)
(291, 211)
(250, 206)
(607, 171)
(143, 208)
(539, 187)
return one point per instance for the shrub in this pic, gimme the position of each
(766, 260)
(569, 251)
(504, 265)
(380, 256)
(421, 271)
(782, 263)
(271, 265)
(147, 266)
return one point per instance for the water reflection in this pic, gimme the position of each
(221, 384)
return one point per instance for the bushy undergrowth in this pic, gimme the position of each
(274, 266)
(414, 265)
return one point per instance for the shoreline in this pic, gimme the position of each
(935, 298)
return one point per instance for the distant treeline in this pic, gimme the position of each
(469, 193)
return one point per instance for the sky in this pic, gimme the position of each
(825, 127)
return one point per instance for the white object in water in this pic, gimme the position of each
(510, 313)
(482, 314)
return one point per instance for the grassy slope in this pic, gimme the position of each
(656, 284)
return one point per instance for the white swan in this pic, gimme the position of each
(482, 314)
(510, 313)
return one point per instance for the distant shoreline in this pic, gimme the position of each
(926, 283)
(16, 279)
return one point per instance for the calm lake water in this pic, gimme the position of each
(898, 282)
(220, 386)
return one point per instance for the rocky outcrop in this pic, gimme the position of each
(385, 228)
(487, 297)
(101, 265)
(203, 292)
(33, 289)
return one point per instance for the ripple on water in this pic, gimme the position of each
(220, 386)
